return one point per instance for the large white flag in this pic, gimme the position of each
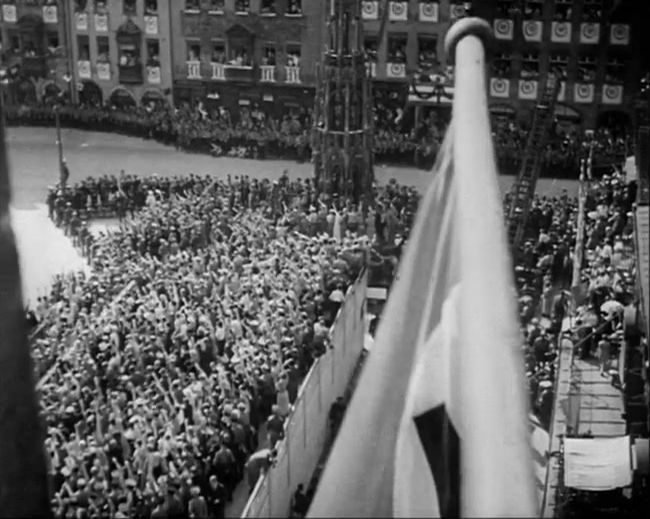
(438, 424)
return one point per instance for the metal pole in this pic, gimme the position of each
(59, 142)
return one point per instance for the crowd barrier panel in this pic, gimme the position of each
(306, 429)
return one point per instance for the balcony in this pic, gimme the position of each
(193, 70)
(104, 71)
(239, 73)
(292, 75)
(35, 66)
(267, 73)
(395, 70)
(218, 71)
(153, 75)
(83, 69)
(50, 14)
(398, 11)
(131, 74)
(81, 21)
(151, 25)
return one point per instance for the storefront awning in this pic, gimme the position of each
(597, 464)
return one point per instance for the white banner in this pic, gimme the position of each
(153, 75)
(428, 11)
(9, 13)
(583, 93)
(395, 70)
(151, 25)
(528, 89)
(499, 87)
(50, 14)
(561, 32)
(101, 22)
(561, 93)
(370, 10)
(532, 30)
(612, 94)
(104, 71)
(503, 29)
(619, 34)
(398, 11)
(372, 68)
(597, 464)
(82, 21)
(84, 69)
(589, 32)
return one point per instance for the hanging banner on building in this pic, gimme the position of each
(104, 71)
(151, 25)
(101, 22)
(153, 75)
(370, 10)
(456, 11)
(532, 30)
(583, 93)
(83, 67)
(528, 89)
(503, 29)
(395, 70)
(589, 32)
(612, 94)
(372, 68)
(619, 34)
(398, 11)
(50, 14)
(561, 93)
(9, 13)
(561, 32)
(499, 87)
(428, 11)
(82, 21)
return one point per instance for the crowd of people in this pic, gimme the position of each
(201, 316)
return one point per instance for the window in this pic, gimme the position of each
(586, 69)
(268, 55)
(614, 70)
(15, 43)
(533, 9)
(193, 51)
(216, 6)
(559, 64)
(128, 6)
(530, 65)
(52, 41)
(427, 52)
(396, 48)
(129, 55)
(100, 6)
(502, 64)
(151, 7)
(79, 6)
(370, 47)
(294, 7)
(563, 10)
(268, 7)
(242, 6)
(103, 49)
(218, 52)
(505, 8)
(192, 5)
(83, 47)
(153, 53)
(293, 55)
(592, 11)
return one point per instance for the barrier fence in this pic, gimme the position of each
(306, 429)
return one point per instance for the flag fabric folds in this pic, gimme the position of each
(438, 425)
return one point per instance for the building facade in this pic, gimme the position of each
(591, 44)
(243, 52)
(121, 51)
(34, 64)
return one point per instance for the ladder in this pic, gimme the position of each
(524, 187)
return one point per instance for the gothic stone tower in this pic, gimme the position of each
(342, 140)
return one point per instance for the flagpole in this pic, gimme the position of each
(23, 473)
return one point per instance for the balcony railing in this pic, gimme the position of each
(131, 74)
(239, 73)
(218, 71)
(193, 70)
(84, 70)
(292, 75)
(104, 71)
(153, 75)
(267, 73)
